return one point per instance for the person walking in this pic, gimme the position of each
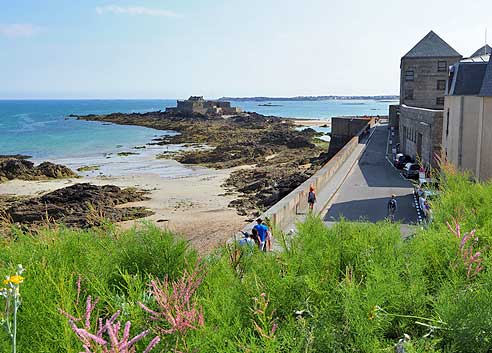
(392, 206)
(311, 198)
(262, 230)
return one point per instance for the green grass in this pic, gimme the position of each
(356, 287)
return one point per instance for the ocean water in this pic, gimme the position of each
(41, 129)
(318, 109)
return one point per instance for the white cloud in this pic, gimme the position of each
(134, 11)
(18, 30)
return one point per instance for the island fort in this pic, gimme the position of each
(196, 104)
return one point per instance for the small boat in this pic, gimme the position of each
(269, 105)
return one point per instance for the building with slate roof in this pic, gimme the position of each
(485, 50)
(424, 71)
(423, 74)
(467, 134)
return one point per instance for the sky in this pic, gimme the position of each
(176, 48)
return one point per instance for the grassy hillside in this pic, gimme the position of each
(356, 287)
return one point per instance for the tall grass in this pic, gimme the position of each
(356, 287)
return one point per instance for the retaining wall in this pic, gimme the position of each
(284, 212)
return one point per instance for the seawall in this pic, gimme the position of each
(283, 214)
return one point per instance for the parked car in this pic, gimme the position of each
(411, 170)
(401, 160)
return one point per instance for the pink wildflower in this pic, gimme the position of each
(471, 260)
(175, 304)
(117, 343)
(78, 291)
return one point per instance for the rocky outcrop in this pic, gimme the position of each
(264, 186)
(80, 205)
(4, 157)
(282, 155)
(15, 168)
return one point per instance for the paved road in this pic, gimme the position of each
(365, 192)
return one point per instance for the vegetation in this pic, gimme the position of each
(88, 168)
(356, 287)
(126, 154)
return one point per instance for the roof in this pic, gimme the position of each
(486, 49)
(486, 90)
(467, 79)
(476, 59)
(432, 46)
(471, 77)
(195, 98)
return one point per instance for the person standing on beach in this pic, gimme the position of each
(262, 233)
(392, 206)
(311, 198)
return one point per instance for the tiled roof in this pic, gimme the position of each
(486, 90)
(486, 49)
(432, 46)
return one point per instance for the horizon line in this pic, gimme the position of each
(160, 98)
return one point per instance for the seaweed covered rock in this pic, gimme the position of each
(17, 168)
(80, 205)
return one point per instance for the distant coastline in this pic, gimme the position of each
(307, 98)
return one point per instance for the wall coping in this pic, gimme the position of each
(326, 172)
(423, 109)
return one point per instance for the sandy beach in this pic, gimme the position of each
(194, 207)
(310, 122)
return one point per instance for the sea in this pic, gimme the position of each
(43, 130)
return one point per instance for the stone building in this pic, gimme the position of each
(423, 75)
(424, 71)
(485, 50)
(196, 104)
(467, 134)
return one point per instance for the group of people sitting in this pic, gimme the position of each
(260, 236)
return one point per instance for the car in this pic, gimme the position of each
(411, 170)
(401, 160)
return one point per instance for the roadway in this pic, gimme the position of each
(364, 194)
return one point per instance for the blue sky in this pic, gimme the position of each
(173, 49)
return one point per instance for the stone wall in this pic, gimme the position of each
(425, 81)
(421, 134)
(345, 128)
(394, 116)
(284, 212)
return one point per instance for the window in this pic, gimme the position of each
(442, 66)
(409, 93)
(447, 124)
(441, 85)
(440, 101)
(409, 75)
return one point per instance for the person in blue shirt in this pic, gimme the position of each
(262, 233)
